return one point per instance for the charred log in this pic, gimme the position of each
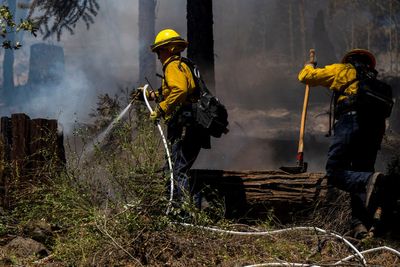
(256, 193)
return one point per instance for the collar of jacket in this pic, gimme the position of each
(172, 58)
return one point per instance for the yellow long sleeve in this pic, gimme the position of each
(333, 76)
(178, 83)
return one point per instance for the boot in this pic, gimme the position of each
(359, 231)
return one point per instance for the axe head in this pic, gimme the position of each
(295, 169)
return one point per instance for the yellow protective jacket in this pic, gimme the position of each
(335, 77)
(177, 86)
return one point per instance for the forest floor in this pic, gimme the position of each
(108, 208)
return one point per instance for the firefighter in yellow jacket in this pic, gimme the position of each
(357, 134)
(174, 104)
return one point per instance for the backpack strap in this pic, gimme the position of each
(333, 104)
(200, 84)
(198, 80)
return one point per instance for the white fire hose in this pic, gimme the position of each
(356, 252)
(166, 150)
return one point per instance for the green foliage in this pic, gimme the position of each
(54, 16)
(8, 25)
(77, 246)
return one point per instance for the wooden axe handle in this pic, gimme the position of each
(312, 56)
(304, 115)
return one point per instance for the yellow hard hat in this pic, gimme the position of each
(360, 52)
(170, 38)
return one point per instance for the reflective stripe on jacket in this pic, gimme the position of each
(177, 85)
(333, 76)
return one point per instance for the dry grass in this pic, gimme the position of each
(93, 225)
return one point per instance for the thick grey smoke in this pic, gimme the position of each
(256, 76)
(259, 49)
(103, 59)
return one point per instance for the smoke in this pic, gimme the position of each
(257, 60)
(253, 78)
(66, 102)
(100, 60)
(103, 59)
(258, 48)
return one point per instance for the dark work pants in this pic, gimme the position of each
(185, 147)
(351, 159)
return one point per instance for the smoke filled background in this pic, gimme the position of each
(260, 46)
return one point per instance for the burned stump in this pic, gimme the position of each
(31, 150)
(256, 193)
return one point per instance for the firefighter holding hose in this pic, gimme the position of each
(174, 101)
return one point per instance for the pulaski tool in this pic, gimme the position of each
(301, 165)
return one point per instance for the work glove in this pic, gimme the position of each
(312, 61)
(138, 94)
(156, 114)
(312, 64)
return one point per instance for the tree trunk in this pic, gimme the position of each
(8, 63)
(31, 151)
(147, 60)
(391, 35)
(291, 36)
(303, 29)
(46, 65)
(322, 43)
(200, 37)
(353, 41)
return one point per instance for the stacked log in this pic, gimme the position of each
(31, 150)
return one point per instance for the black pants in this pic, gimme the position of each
(351, 159)
(186, 143)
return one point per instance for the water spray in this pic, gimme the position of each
(166, 150)
(100, 137)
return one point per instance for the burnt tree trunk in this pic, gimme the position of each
(200, 38)
(255, 193)
(31, 151)
(147, 60)
(323, 44)
(46, 65)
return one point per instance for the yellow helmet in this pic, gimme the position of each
(169, 38)
(363, 53)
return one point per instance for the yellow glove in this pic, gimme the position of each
(155, 115)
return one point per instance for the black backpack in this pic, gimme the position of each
(208, 112)
(374, 96)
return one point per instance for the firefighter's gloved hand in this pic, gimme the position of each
(138, 94)
(312, 64)
(155, 115)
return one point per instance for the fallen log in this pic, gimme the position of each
(256, 193)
